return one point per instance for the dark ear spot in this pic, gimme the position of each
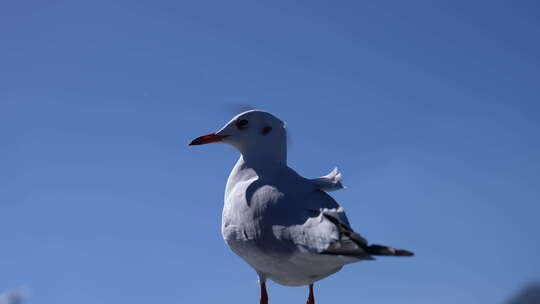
(266, 130)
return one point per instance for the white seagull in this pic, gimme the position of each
(284, 225)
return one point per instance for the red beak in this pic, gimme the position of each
(206, 139)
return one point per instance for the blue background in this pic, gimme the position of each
(430, 109)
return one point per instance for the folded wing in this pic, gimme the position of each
(327, 231)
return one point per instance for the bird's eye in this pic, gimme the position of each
(241, 124)
(266, 130)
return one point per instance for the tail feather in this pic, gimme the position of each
(387, 251)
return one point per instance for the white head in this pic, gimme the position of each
(256, 134)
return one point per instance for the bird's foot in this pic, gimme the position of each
(311, 297)
(264, 294)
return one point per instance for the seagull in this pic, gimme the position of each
(285, 226)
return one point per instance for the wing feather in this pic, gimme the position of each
(326, 230)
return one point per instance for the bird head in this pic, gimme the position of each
(254, 132)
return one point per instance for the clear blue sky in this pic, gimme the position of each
(431, 110)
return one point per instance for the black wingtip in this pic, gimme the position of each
(387, 251)
(403, 252)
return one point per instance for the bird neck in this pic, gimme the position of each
(263, 157)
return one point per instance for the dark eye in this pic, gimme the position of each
(266, 130)
(241, 124)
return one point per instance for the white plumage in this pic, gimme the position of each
(284, 225)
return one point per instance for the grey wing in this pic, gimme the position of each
(326, 229)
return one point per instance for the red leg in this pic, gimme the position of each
(264, 295)
(311, 297)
